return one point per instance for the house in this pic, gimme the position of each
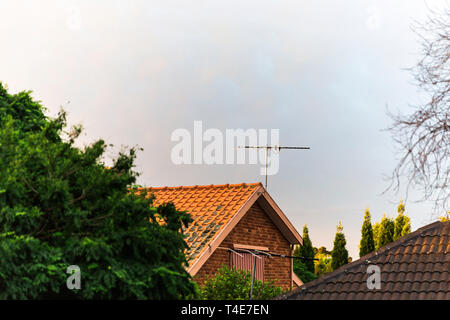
(232, 223)
(414, 267)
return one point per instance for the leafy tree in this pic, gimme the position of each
(306, 251)
(60, 206)
(234, 284)
(321, 250)
(302, 271)
(367, 244)
(402, 223)
(385, 232)
(339, 254)
(323, 265)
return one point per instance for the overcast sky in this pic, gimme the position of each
(323, 72)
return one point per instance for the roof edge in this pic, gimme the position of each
(229, 185)
(289, 226)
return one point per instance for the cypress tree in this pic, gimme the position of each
(386, 231)
(376, 235)
(406, 227)
(402, 223)
(367, 243)
(302, 271)
(306, 250)
(339, 254)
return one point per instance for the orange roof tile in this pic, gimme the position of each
(211, 208)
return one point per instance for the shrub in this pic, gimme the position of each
(233, 284)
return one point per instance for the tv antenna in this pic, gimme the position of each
(276, 148)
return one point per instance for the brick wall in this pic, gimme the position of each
(256, 229)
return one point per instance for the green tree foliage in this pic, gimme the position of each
(406, 228)
(306, 251)
(376, 234)
(389, 230)
(402, 223)
(367, 244)
(233, 284)
(59, 206)
(339, 254)
(386, 232)
(302, 271)
(323, 265)
(321, 250)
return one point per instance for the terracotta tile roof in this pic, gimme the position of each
(414, 267)
(211, 207)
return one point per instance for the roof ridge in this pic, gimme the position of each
(243, 184)
(384, 249)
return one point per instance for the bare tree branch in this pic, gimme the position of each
(423, 137)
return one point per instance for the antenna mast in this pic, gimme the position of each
(276, 148)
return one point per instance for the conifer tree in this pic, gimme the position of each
(402, 223)
(367, 244)
(302, 271)
(306, 250)
(339, 254)
(406, 228)
(386, 231)
(376, 235)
